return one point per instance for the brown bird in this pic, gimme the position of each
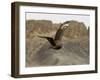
(56, 41)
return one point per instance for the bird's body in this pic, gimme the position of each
(56, 41)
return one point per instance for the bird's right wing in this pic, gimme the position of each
(51, 40)
(59, 34)
(60, 31)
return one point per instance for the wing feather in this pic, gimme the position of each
(51, 40)
(60, 31)
(59, 34)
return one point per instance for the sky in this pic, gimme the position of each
(58, 18)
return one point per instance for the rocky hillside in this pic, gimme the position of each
(39, 26)
(75, 42)
(75, 30)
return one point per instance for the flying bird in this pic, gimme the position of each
(56, 41)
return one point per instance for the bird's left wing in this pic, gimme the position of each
(51, 40)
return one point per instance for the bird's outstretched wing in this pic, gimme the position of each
(59, 34)
(51, 40)
(61, 30)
